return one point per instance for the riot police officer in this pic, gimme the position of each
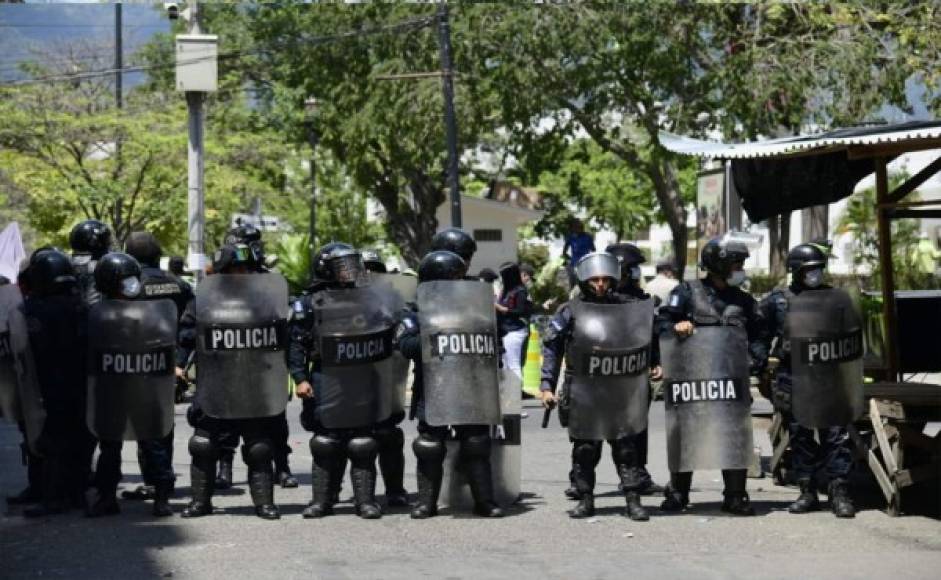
(250, 236)
(630, 257)
(389, 435)
(606, 396)
(711, 326)
(155, 456)
(131, 381)
(56, 324)
(340, 359)
(810, 309)
(237, 325)
(455, 391)
(89, 240)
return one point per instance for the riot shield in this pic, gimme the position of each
(403, 285)
(131, 381)
(10, 299)
(824, 333)
(241, 343)
(707, 399)
(362, 377)
(21, 397)
(609, 355)
(505, 453)
(460, 352)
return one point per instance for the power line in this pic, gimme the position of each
(416, 23)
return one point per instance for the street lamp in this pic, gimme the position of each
(311, 109)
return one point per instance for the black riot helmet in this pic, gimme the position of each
(90, 237)
(250, 236)
(243, 234)
(231, 256)
(441, 265)
(627, 254)
(803, 256)
(339, 262)
(50, 273)
(118, 275)
(373, 261)
(144, 247)
(455, 240)
(719, 254)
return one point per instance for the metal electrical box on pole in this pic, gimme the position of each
(196, 75)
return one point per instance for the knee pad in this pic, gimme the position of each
(428, 448)
(325, 446)
(476, 446)
(257, 454)
(201, 447)
(390, 437)
(586, 452)
(362, 448)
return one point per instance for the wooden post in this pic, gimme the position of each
(888, 278)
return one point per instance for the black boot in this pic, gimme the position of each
(585, 507)
(104, 504)
(807, 500)
(736, 500)
(392, 465)
(480, 477)
(364, 493)
(840, 502)
(283, 473)
(33, 491)
(261, 488)
(141, 492)
(162, 492)
(634, 509)
(322, 503)
(224, 477)
(676, 493)
(201, 488)
(737, 504)
(428, 490)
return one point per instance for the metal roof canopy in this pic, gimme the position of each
(781, 175)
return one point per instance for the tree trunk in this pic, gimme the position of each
(410, 219)
(779, 233)
(815, 223)
(667, 190)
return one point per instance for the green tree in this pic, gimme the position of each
(622, 73)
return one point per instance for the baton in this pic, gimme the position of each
(545, 417)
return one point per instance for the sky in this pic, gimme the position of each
(38, 30)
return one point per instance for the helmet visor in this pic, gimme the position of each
(596, 265)
(348, 268)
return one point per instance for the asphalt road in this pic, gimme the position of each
(536, 540)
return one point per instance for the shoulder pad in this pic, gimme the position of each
(408, 325)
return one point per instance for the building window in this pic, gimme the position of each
(488, 235)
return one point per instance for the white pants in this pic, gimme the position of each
(513, 351)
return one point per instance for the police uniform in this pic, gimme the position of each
(330, 447)
(628, 452)
(702, 303)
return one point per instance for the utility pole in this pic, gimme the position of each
(311, 108)
(118, 101)
(118, 57)
(447, 86)
(196, 75)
